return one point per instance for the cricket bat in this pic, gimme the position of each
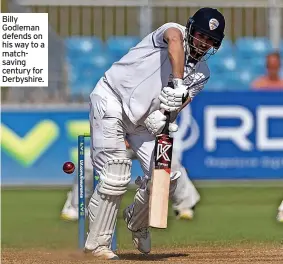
(160, 179)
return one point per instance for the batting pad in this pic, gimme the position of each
(103, 210)
(138, 211)
(115, 177)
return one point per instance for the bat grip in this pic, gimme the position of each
(167, 114)
(166, 127)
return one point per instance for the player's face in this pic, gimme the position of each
(202, 42)
(273, 66)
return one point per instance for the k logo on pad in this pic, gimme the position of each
(213, 23)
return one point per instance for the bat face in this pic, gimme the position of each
(160, 179)
(160, 182)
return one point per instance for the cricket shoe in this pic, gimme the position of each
(141, 238)
(103, 252)
(280, 216)
(185, 214)
(70, 213)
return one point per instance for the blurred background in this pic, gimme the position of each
(231, 136)
(86, 37)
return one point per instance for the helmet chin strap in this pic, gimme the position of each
(190, 58)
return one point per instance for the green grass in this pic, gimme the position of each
(226, 216)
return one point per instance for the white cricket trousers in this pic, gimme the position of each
(109, 126)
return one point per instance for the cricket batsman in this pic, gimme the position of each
(128, 103)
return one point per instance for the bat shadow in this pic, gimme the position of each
(150, 257)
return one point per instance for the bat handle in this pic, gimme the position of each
(166, 127)
(167, 114)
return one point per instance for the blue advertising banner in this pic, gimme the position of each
(35, 143)
(236, 135)
(221, 136)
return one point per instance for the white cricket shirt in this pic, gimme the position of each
(139, 76)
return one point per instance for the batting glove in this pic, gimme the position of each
(156, 121)
(172, 99)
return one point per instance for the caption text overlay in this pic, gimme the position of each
(24, 49)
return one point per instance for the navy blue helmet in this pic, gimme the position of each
(205, 26)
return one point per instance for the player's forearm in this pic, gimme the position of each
(177, 57)
(174, 39)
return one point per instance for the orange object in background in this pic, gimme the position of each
(272, 80)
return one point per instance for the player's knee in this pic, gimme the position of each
(115, 177)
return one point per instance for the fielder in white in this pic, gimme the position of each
(280, 213)
(184, 198)
(128, 104)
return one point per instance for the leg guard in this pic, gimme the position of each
(115, 177)
(136, 215)
(105, 202)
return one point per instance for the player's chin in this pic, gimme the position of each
(198, 53)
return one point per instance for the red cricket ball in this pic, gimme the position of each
(69, 167)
